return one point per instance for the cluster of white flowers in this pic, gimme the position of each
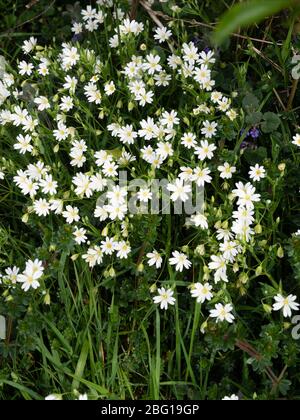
(63, 120)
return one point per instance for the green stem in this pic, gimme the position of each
(194, 331)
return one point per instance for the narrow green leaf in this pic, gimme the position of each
(286, 48)
(2, 328)
(247, 13)
(23, 389)
(81, 364)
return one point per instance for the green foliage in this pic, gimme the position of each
(97, 331)
(248, 13)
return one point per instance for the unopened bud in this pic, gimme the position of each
(258, 229)
(267, 308)
(280, 253)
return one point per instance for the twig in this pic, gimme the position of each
(212, 26)
(275, 65)
(154, 16)
(293, 94)
(29, 20)
(9, 330)
(279, 99)
(134, 9)
(247, 348)
(275, 386)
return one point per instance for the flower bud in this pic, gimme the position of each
(258, 229)
(140, 268)
(200, 250)
(267, 308)
(47, 299)
(259, 271)
(280, 252)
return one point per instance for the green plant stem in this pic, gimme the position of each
(293, 94)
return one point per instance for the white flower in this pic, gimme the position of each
(80, 236)
(189, 140)
(201, 176)
(296, 140)
(201, 292)
(209, 129)
(82, 397)
(191, 54)
(233, 397)
(25, 68)
(154, 258)
(29, 45)
(164, 298)
(101, 213)
(244, 216)
(199, 220)
(257, 172)
(205, 151)
(33, 272)
(170, 119)
(110, 88)
(116, 211)
(108, 246)
(226, 171)
(53, 397)
(149, 130)
(88, 13)
(41, 207)
(70, 83)
(145, 97)
(42, 102)
(246, 195)
(123, 250)
(207, 57)
(218, 264)
(24, 144)
(94, 256)
(131, 27)
(186, 174)
(162, 79)
(180, 260)
(202, 75)
(230, 250)
(164, 149)
(48, 185)
(11, 274)
(179, 190)
(162, 34)
(83, 185)
(287, 304)
(71, 214)
(117, 195)
(222, 313)
(62, 132)
(242, 230)
(152, 64)
(110, 169)
(144, 195)
(77, 28)
(66, 103)
(127, 135)
(4, 93)
(57, 206)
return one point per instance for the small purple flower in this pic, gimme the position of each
(77, 38)
(254, 133)
(207, 50)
